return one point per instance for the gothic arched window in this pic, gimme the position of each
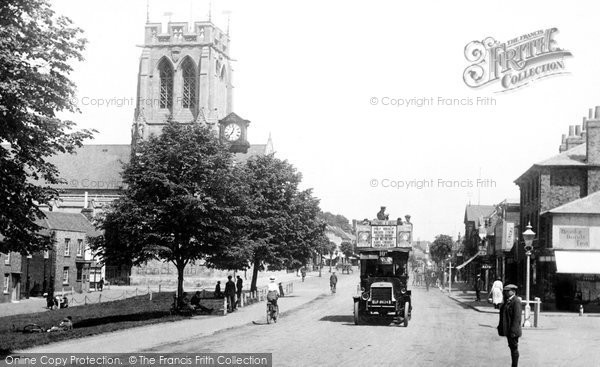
(166, 84)
(189, 84)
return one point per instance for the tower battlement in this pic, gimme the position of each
(204, 32)
(184, 75)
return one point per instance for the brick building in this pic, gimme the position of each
(68, 266)
(497, 224)
(10, 265)
(561, 179)
(505, 226)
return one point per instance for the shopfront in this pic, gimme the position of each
(575, 239)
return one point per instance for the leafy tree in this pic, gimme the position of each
(347, 249)
(36, 49)
(279, 227)
(441, 248)
(179, 204)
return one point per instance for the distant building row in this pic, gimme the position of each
(560, 198)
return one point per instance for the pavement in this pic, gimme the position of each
(467, 298)
(151, 337)
(113, 292)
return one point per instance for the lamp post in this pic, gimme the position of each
(528, 237)
(482, 250)
(450, 274)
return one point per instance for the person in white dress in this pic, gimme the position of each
(496, 293)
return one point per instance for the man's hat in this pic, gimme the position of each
(272, 277)
(510, 287)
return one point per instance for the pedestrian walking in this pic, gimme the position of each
(239, 285)
(333, 282)
(478, 286)
(496, 293)
(281, 290)
(509, 324)
(101, 284)
(303, 272)
(230, 294)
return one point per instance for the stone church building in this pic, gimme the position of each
(185, 74)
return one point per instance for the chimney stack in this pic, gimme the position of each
(593, 139)
(87, 212)
(577, 130)
(563, 144)
(571, 130)
(593, 151)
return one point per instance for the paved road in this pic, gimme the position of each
(442, 332)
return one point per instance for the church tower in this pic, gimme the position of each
(184, 74)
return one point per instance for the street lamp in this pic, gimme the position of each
(528, 237)
(483, 252)
(450, 273)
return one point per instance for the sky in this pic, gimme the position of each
(321, 78)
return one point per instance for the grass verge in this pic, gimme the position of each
(87, 320)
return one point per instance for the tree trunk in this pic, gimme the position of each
(254, 275)
(180, 268)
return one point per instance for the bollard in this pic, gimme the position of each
(536, 311)
(136, 291)
(159, 288)
(149, 291)
(99, 298)
(85, 300)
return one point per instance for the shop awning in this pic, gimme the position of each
(466, 262)
(577, 262)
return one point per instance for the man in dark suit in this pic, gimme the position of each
(510, 321)
(240, 286)
(478, 287)
(230, 294)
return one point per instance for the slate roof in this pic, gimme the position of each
(586, 205)
(474, 212)
(99, 166)
(93, 166)
(574, 157)
(256, 149)
(72, 222)
(339, 232)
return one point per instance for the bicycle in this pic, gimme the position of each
(272, 312)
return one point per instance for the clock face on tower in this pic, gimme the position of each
(232, 132)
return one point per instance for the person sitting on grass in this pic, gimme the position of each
(184, 304)
(65, 325)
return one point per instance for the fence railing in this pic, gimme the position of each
(248, 297)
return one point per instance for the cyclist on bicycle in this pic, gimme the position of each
(272, 291)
